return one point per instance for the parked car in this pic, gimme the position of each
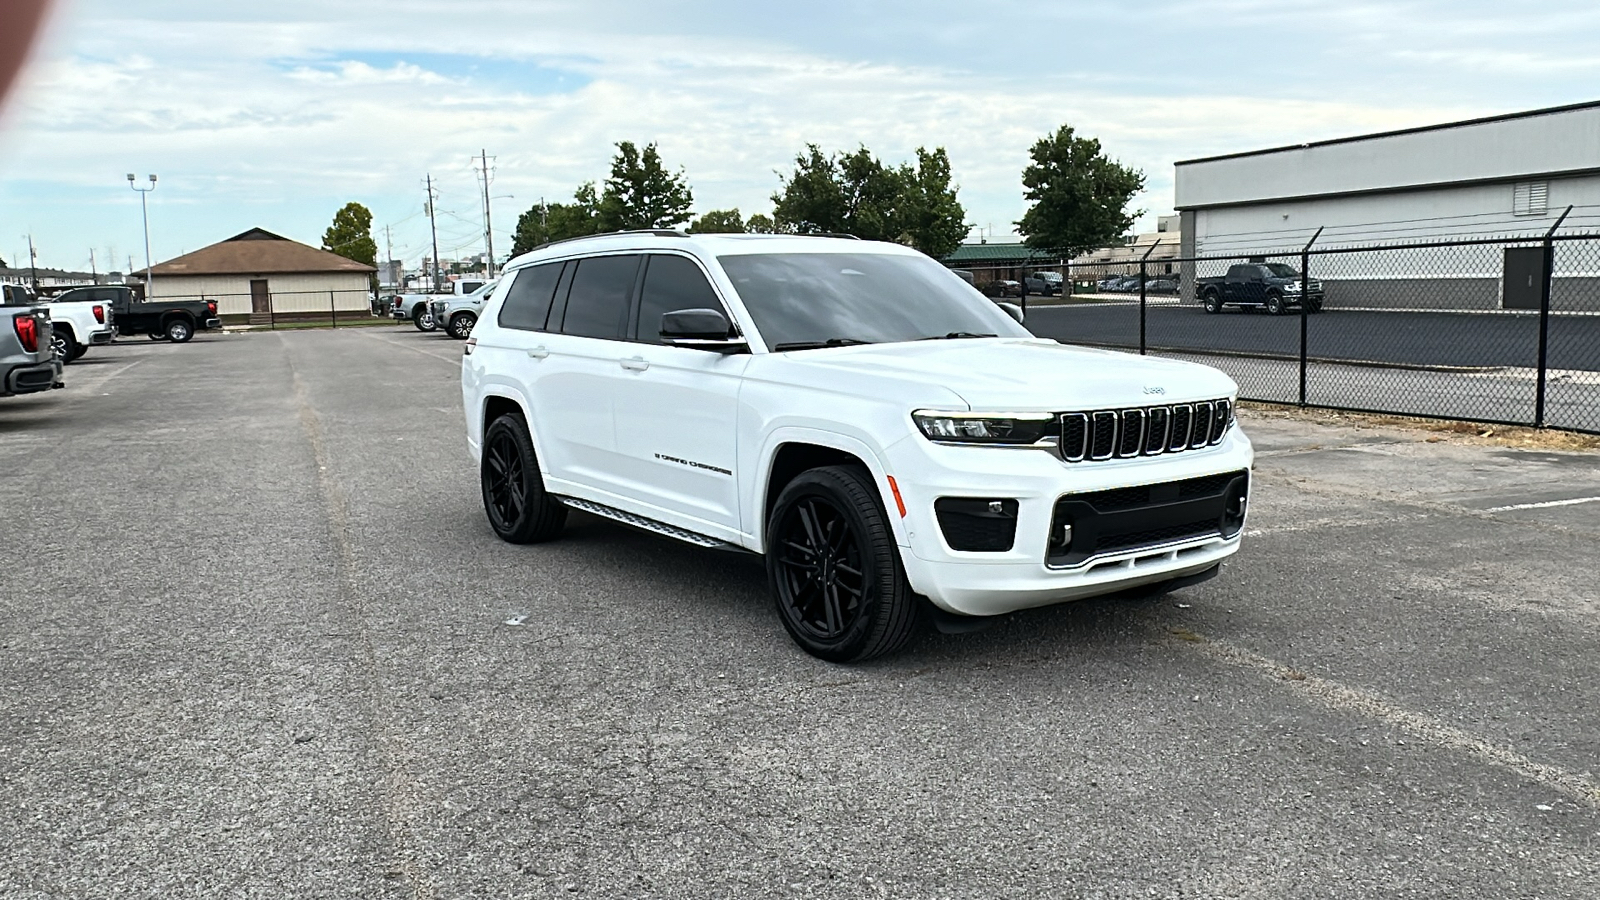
(418, 307)
(1274, 287)
(1161, 286)
(457, 314)
(967, 276)
(1041, 287)
(1002, 288)
(895, 446)
(27, 363)
(162, 318)
(78, 324)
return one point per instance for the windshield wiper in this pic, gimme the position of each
(817, 345)
(955, 335)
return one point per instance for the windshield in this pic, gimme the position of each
(803, 298)
(1282, 271)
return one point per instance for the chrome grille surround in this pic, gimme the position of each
(1143, 431)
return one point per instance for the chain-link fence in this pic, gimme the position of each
(271, 309)
(1500, 330)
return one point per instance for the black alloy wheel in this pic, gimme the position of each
(179, 330)
(461, 325)
(514, 499)
(1274, 304)
(834, 568)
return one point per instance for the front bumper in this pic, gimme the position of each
(31, 379)
(983, 583)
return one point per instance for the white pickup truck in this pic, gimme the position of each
(77, 325)
(417, 307)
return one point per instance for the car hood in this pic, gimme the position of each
(1026, 375)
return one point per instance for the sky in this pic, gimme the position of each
(274, 115)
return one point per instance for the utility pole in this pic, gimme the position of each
(388, 257)
(33, 264)
(488, 229)
(434, 228)
(94, 274)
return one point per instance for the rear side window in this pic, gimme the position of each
(671, 283)
(527, 302)
(599, 296)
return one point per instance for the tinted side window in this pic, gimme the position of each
(599, 296)
(671, 283)
(527, 302)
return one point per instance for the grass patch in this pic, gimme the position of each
(1440, 429)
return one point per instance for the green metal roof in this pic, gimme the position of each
(968, 253)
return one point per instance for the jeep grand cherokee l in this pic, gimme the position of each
(884, 434)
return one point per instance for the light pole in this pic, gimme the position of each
(145, 210)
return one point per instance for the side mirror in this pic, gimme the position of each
(1012, 310)
(700, 329)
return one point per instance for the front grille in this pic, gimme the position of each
(1143, 431)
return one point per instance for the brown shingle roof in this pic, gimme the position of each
(258, 252)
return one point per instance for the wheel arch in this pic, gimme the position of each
(791, 453)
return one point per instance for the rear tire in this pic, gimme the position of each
(424, 320)
(1213, 304)
(834, 569)
(82, 349)
(179, 331)
(514, 499)
(63, 346)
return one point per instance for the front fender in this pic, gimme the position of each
(797, 434)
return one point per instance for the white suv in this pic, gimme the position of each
(862, 416)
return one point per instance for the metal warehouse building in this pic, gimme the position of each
(1499, 176)
(258, 276)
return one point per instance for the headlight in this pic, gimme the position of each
(984, 428)
(1292, 287)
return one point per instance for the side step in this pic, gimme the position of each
(627, 518)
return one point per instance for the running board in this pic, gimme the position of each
(627, 518)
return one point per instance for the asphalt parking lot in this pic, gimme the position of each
(256, 640)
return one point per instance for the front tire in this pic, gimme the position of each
(423, 320)
(1274, 304)
(461, 325)
(179, 331)
(834, 569)
(514, 499)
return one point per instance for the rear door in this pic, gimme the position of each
(676, 408)
(572, 397)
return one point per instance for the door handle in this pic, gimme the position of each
(635, 364)
(538, 353)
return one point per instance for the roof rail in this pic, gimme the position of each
(658, 232)
(833, 234)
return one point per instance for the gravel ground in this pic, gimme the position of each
(256, 640)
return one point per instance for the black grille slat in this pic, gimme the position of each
(1132, 440)
(1222, 415)
(1155, 536)
(1103, 439)
(1074, 436)
(1201, 425)
(1182, 418)
(1155, 440)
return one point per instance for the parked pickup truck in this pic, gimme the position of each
(163, 319)
(79, 324)
(1274, 287)
(456, 315)
(418, 307)
(27, 364)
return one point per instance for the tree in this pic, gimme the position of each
(558, 221)
(1078, 196)
(857, 194)
(719, 221)
(761, 224)
(350, 235)
(641, 193)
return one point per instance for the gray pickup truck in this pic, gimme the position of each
(27, 362)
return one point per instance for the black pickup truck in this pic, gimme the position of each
(174, 320)
(1274, 287)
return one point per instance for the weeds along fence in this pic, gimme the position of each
(274, 308)
(1495, 330)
